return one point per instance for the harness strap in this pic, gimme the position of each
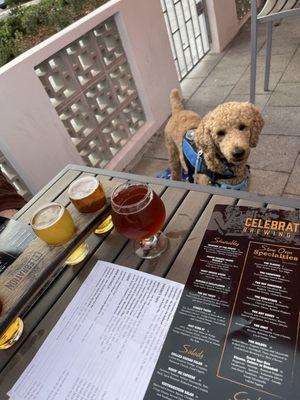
(239, 186)
(193, 158)
(196, 164)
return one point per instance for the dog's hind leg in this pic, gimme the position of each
(174, 160)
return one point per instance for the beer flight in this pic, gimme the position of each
(137, 213)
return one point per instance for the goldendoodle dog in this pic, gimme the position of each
(214, 149)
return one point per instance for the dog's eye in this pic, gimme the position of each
(242, 127)
(221, 133)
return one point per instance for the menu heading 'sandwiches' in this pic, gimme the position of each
(235, 334)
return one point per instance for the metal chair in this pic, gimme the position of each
(273, 10)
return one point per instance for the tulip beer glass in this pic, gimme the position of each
(138, 213)
(87, 195)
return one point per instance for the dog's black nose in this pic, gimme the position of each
(238, 153)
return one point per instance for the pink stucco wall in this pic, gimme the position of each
(224, 22)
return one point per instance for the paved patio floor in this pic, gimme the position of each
(275, 163)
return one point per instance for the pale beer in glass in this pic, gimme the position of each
(54, 225)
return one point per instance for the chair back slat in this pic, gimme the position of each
(279, 6)
(276, 6)
(272, 10)
(268, 7)
(290, 5)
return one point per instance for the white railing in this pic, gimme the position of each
(188, 32)
(93, 94)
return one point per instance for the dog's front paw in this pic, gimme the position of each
(202, 179)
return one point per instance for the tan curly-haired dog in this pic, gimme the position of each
(225, 134)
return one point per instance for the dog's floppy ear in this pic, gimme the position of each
(203, 138)
(256, 124)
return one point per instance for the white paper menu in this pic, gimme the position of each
(106, 343)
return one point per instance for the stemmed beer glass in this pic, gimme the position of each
(139, 214)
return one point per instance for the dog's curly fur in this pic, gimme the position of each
(229, 131)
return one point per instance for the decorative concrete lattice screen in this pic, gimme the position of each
(90, 84)
(242, 8)
(12, 177)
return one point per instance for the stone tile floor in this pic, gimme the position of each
(275, 163)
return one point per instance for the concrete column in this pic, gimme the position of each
(224, 23)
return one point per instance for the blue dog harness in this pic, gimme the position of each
(196, 165)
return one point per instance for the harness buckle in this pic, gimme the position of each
(199, 155)
(190, 134)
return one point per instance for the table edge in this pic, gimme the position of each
(250, 196)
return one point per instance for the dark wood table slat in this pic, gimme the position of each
(249, 203)
(278, 207)
(178, 230)
(46, 188)
(183, 263)
(51, 195)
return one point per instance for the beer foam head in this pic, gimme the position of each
(83, 187)
(47, 215)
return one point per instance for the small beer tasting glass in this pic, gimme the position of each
(139, 214)
(87, 195)
(54, 225)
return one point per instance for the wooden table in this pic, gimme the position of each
(188, 208)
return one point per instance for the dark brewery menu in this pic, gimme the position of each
(235, 332)
(14, 238)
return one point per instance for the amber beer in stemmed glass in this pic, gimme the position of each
(88, 196)
(139, 214)
(54, 225)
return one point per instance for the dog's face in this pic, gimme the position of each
(232, 141)
(230, 131)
